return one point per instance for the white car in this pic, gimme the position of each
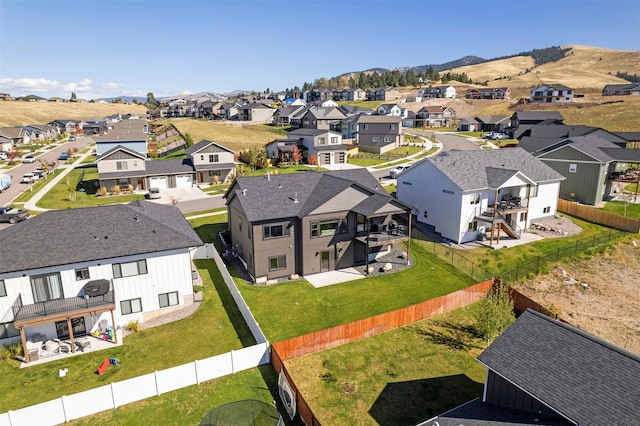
(395, 172)
(29, 159)
(29, 178)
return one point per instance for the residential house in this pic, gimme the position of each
(134, 139)
(435, 116)
(94, 126)
(520, 119)
(307, 223)
(56, 99)
(213, 163)
(283, 115)
(6, 144)
(621, 89)
(324, 145)
(488, 93)
(229, 111)
(255, 112)
(65, 126)
(322, 118)
(5, 97)
(329, 103)
(631, 139)
(293, 102)
(592, 165)
(18, 135)
(583, 380)
(353, 95)
(379, 133)
(493, 123)
(209, 109)
(548, 93)
(465, 194)
(43, 132)
(468, 125)
(118, 263)
(437, 92)
(282, 150)
(31, 98)
(318, 95)
(383, 94)
(391, 109)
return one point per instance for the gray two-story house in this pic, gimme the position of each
(307, 223)
(323, 145)
(379, 133)
(212, 162)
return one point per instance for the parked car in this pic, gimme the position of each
(11, 215)
(395, 172)
(153, 194)
(29, 178)
(29, 159)
(63, 156)
(496, 136)
(38, 171)
(72, 138)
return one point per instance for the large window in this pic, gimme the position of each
(533, 191)
(275, 231)
(121, 270)
(121, 165)
(334, 139)
(325, 228)
(213, 158)
(277, 262)
(46, 287)
(322, 141)
(7, 330)
(3, 289)
(131, 306)
(168, 299)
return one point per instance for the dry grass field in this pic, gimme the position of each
(14, 113)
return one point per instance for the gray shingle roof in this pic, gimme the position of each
(60, 237)
(596, 147)
(484, 169)
(121, 148)
(203, 144)
(538, 115)
(273, 198)
(584, 378)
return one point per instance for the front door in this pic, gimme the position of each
(324, 261)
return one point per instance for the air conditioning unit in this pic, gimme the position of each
(481, 229)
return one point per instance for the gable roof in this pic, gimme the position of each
(121, 148)
(372, 119)
(103, 232)
(553, 87)
(538, 115)
(265, 198)
(585, 379)
(309, 132)
(202, 145)
(488, 169)
(320, 112)
(596, 147)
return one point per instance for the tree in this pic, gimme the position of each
(73, 96)
(296, 154)
(188, 140)
(151, 100)
(494, 313)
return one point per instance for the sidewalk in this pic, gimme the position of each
(65, 170)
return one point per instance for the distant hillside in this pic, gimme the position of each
(140, 99)
(23, 113)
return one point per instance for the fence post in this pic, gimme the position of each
(64, 408)
(195, 366)
(155, 378)
(233, 368)
(113, 395)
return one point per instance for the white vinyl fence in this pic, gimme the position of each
(110, 396)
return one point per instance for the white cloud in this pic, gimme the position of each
(111, 85)
(43, 85)
(186, 92)
(85, 85)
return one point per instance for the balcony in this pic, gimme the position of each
(59, 309)
(383, 234)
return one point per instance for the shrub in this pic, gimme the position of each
(11, 351)
(133, 326)
(116, 189)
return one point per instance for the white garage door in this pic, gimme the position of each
(184, 181)
(158, 182)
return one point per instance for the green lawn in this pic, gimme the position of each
(34, 188)
(401, 377)
(297, 308)
(366, 162)
(65, 194)
(622, 208)
(189, 405)
(217, 322)
(245, 170)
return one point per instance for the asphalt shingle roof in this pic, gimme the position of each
(60, 237)
(486, 169)
(263, 198)
(586, 379)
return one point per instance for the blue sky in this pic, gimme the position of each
(112, 48)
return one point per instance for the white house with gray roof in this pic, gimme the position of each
(99, 267)
(325, 145)
(464, 195)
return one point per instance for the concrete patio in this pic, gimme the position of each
(95, 344)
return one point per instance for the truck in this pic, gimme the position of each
(5, 182)
(11, 215)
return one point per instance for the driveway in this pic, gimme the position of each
(180, 195)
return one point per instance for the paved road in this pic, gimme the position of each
(449, 141)
(51, 155)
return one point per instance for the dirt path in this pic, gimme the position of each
(600, 295)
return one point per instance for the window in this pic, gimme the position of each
(392, 126)
(546, 210)
(46, 287)
(523, 216)
(334, 139)
(240, 224)
(475, 199)
(3, 289)
(121, 270)
(213, 158)
(275, 231)
(131, 306)
(573, 168)
(321, 141)
(82, 274)
(201, 157)
(325, 228)
(277, 262)
(168, 299)
(473, 226)
(375, 139)
(365, 127)
(122, 165)
(425, 214)
(7, 329)
(446, 191)
(387, 139)
(533, 191)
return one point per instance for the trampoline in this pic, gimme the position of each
(247, 412)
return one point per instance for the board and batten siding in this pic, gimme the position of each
(340, 246)
(265, 249)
